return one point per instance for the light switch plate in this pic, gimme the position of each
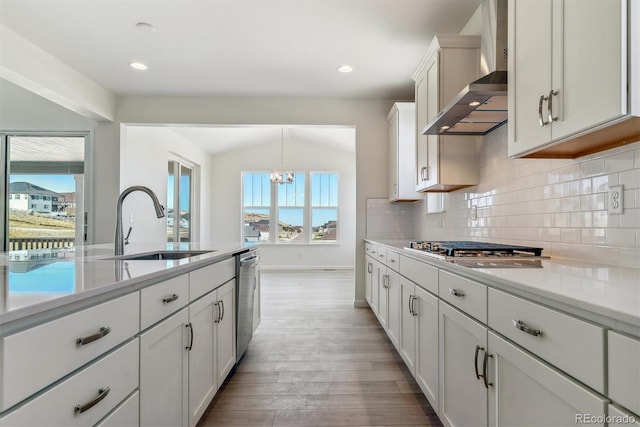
(616, 199)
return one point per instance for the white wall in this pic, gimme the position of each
(300, 156)
(144, 153)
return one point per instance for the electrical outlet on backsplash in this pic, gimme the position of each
(561, 205)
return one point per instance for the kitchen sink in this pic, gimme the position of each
(160, 255)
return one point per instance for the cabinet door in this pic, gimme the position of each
(422, 118)
(463, 396)
(126, 415)
(393, 309)
(257, 310)
(408, 337)
(383, 295)
(529, 73)
(528, 392)
(368, 274)
(164, 373)
(427, 371)
(433, 108)
(587, 35)
(375, 286)
(202, 355)
(226, 331)
(392, 121)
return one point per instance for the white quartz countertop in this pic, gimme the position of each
(611, 294)
(36, 281)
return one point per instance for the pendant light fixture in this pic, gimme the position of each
(281, 176)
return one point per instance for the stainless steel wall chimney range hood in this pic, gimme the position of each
(481, 106)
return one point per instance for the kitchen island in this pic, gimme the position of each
(89, 338)
(565, 335)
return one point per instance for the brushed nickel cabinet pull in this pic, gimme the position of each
(526, 329)
(217, 304)
(456, 293)
(222, 311)
(552, 93)
(190, 327)
(475, 361)
(172, 298)
(105, 330)
(487, 384)
(540, 118)
(102, 393)
(413, 305)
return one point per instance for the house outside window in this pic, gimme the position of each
(302, 212)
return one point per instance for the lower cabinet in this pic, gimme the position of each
(125, 415)
(185, 358)
(419, 339)
(368, 278)
(87, 396)
(164, 372)
(463, 369)
(393, 315)
(525, 391)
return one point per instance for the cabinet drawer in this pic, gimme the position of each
(380, 255)
(573, 345)
(208, 278)
(624, 370)
(467, 295)
(117, 373)
(160, 300)
(368, 247)
(126, 415)
(39, 356)
(420, 273)
(393, 260)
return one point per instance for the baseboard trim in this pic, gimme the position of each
(361, 303)
(306, 267)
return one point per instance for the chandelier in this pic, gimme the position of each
(281, 176)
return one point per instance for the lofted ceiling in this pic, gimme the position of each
(241, 48)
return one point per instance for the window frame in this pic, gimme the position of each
(274, 210)
(194, 211)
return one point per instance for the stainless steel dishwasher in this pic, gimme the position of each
(248, 274)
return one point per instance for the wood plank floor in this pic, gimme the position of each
(318, 361)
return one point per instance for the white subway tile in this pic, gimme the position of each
(592, 168)
(619, 162)
(621, 237)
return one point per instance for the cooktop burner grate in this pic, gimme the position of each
(462, 248)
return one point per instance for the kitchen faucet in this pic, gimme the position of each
(119, 240)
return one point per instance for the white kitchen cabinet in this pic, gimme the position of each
(401, 121)
(383, 295)
(226, 336)
(624, 370)
(525, 391)
(84, 398)
(419, 339)
(463, 347)
(125, 415)
(567, 74)
(617, 416)
(445, 163)
(164, 372)
(368, 278)
(394, 314)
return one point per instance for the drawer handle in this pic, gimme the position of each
(392, 260)
(102, 393)
(385, 281)
(456, 293)
(172, 298)
(369, 268)
(381, 255)
(524, 328)
(222, 311)
(550, 106)
(413, 305)
(541, 120)
(105, 330)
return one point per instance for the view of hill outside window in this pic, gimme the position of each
(302, 213)
(179, 183)
(46, 180)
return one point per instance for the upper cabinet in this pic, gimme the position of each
(569, 82)
(445, 163)
(402, 152)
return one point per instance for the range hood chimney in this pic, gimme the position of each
(481, 107)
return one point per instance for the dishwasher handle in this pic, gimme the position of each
(250, 261)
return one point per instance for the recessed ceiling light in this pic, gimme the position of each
(138, 65)
(474, 103)
(345, 68)
(445, 127)
(145, 26)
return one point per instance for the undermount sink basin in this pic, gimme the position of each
(160, 255)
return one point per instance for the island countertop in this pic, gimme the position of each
(40, 281)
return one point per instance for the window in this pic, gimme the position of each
(179, 206)
(293, 213)
(324, 207)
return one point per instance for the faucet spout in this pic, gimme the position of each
(119, 238)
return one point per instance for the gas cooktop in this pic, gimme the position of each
(480, 254)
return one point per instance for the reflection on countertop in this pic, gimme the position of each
(42, 279)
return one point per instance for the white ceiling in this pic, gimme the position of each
(241, 48)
